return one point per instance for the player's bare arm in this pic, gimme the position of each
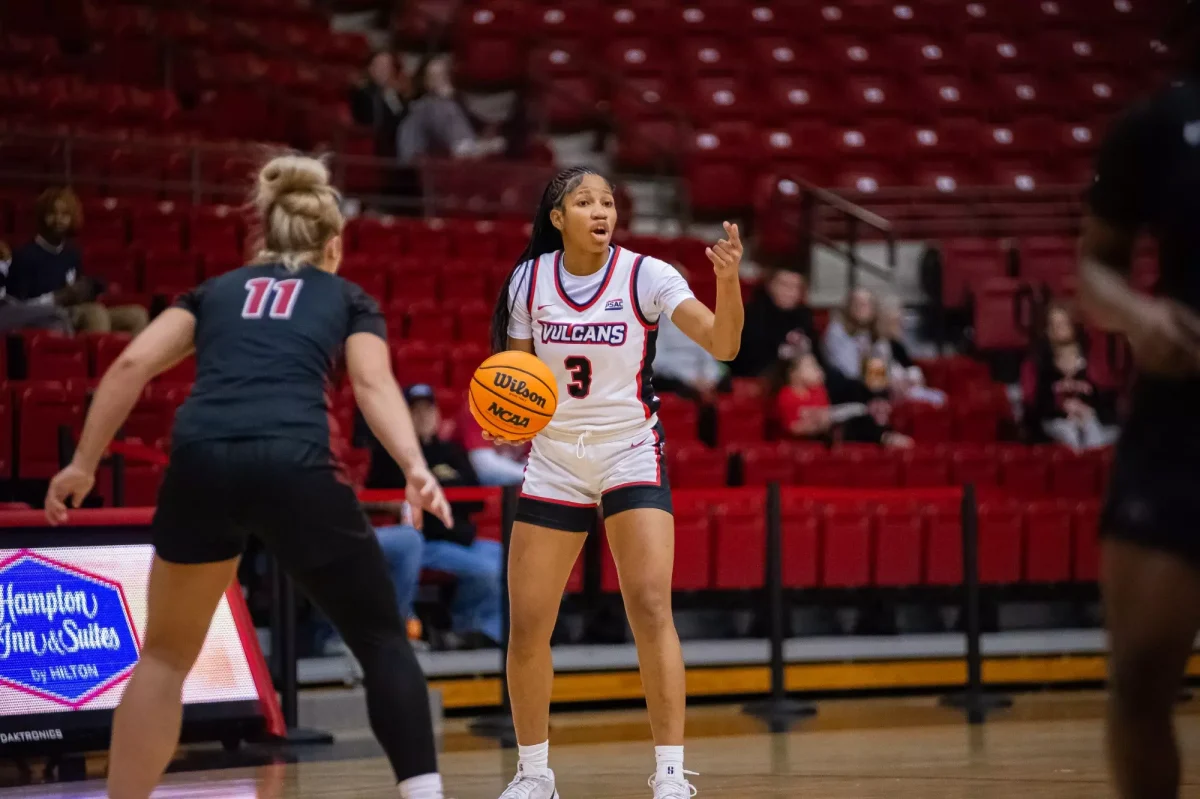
(719, 331)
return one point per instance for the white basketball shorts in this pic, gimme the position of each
(564, 482)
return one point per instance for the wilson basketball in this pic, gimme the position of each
(513, 395)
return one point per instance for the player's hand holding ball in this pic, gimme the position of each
(726, 254)
(512, 397)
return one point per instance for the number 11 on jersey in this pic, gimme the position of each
(259, 288)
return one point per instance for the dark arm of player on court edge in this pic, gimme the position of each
(166, 342)
(718, 331)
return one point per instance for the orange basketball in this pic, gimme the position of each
(513, 395)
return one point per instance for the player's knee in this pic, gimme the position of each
(530, 630)
(648, 606)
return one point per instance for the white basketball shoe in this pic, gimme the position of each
(529, 786)
(676, 789)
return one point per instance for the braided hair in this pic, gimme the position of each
(545, 239)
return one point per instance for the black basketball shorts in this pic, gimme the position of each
(1154, 492)
(288, 493)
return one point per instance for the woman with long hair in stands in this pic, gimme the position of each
(590, 310)
(251, 455)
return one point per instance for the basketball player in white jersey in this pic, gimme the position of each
(590, 311)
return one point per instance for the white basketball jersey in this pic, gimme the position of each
(600, 349)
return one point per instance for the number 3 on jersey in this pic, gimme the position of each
(286, 292)
(581, 376)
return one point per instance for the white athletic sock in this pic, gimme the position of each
(670, 763)
(427, 786)
(534, 760)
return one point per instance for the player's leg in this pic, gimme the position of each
(315, 526)
(1152, 610)
(553, 514)
(641, 533)
(181, 601)
(197, 549)
(540, 560)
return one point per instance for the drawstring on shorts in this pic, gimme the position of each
(580, 450)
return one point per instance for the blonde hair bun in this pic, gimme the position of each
(298, 208)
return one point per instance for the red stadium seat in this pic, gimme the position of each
(693, 548)
(925, 468)
(216, 230)
(53, 357)
(968, 263)
(6, 435)
(42, 409)
(104, 349)
(943, 537)
(1025, 471)
(896, 555)
(767, 463)
(815, 466)
(429, 321)
(1048, 542)
(680, 419)
(1002, 308)
(739, 420)
(419, 362)
(800, 528)
(464, 360)
(975, 422)
(1000, 527)
(695, 465)
(1085, 537)
(974, 465)
(183, 372)
(151, 419)
(872, 467)
(710, 55)
(158, 229)
(1075, 475)
(382, 236)
(925, 423)
(740, 554)
(846, 551)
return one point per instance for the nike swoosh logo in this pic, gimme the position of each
(540, 307)
(635, 446)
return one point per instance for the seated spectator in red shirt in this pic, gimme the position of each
(802, 405)
(1062, 401)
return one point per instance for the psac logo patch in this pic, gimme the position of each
(65, 634)
(613, 334)
(614, 305)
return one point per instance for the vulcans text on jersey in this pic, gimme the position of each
(611, 333)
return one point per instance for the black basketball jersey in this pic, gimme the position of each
(1148, 179)
(268, 341)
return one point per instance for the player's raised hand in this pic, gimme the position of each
(726, 254)
(424, 493)
(67, 490)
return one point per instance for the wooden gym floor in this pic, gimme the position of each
(1048, 745)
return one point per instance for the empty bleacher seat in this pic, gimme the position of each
(739, 555)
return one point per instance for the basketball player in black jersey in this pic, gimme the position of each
(251, 455)
(1148, 180)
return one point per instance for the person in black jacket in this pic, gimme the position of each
(775, 316)
(381, 101)
(475, 614)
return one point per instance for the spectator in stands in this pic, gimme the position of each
(908, 381)
(802, 405)
(475, 613)
(381, 100)
(437, 124)
(849, 337)
(402, 547)
(17, 315)
(495, 462)
(776, 314)
(43, 269)
(681, 366)
(874, 392)
(1062, 401)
